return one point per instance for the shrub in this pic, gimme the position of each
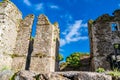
(100, 70)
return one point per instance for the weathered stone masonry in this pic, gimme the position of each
(103, 38)
(44, 52)
(15, 35)
(9, 21)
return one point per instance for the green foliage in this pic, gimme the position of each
(74, 59)
(31, 38)
(37, 77)
(61, 57)
(100, 70)
(115, 73)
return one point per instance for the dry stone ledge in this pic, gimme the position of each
(71, 75)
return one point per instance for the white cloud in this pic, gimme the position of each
(62, 42)
(53, 6)
(39, 6)
(73, 33)
(27, 2)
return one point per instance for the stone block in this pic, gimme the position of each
(100, 62)
(92, 76)
(5, 61)
(41, 65)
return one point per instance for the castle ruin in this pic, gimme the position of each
(15, 36)
(104, 34)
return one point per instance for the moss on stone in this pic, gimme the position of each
(5, 68)
(40, 55)
(13, 77)
(54, 39)
(16, 55)
(90, 21)
(55, 24)
(37, 77)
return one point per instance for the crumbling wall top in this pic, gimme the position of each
(104, 18)
(28, 20)
(43, 20)
(116, 12)
(8, 9)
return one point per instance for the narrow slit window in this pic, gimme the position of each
(114, 27)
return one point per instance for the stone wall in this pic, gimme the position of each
(45, 45)
(22, 43)
(8, 32)
(102, 39)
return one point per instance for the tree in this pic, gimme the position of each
(60, 57)
(73, 60)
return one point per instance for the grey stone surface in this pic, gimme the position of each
(23, 36)
(27, 75)
(102, 39)
(46, 45)
(10, 18)
(6, 74)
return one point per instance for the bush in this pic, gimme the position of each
(74, 59)
(100, 70)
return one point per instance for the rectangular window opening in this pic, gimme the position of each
(114, 26)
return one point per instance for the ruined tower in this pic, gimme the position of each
(104, 33)
(15, 40)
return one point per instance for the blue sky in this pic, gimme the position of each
(72, 16)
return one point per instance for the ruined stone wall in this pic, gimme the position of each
(22, 43)
(55, 47)
(15, 34)
(102, 40)
(8, 32)
(44, 52)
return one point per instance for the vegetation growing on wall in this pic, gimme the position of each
(60, 57)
